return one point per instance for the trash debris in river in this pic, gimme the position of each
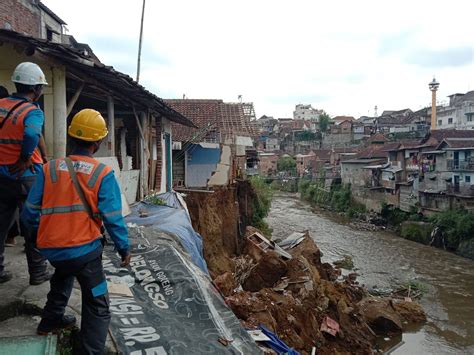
(345, 263)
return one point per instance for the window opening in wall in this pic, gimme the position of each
(440, 122)
(467, 179)
(49, 34)
(450, 120)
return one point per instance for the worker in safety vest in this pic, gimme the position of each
(21, 123)
(69, 230)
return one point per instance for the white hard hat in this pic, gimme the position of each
(28, 73)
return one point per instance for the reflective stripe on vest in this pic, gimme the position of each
(11, 134)
(64, 220)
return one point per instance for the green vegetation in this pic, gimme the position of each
(153, 199)
(337, 198)
(456, 225)
(395, 216)
(324, 120)
(287, 186)
(416, 287)
(286, 164)
(261, 204)
(345, 263)
(416, 231)
(307, 136)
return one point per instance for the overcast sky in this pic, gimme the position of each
(341, 56)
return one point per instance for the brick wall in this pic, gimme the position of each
(15, 15)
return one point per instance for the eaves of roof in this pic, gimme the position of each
(107, 77)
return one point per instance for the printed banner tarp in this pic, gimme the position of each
(174, 309)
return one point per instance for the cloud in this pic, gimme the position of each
(394, 43)
(439, 58)
(343, 57)
(296, 99)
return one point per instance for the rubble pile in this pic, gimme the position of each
(306, 302)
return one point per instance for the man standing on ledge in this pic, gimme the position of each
(21, 123)
(70, 200)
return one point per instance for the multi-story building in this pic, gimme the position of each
(32, 17)
(306, 113)
(459, 114)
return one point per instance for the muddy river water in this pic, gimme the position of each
(383, 260)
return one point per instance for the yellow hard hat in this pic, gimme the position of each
(88, 125)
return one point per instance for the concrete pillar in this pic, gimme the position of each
(111, 125)
(434, 122)
(59, 112)
(49, 123)
(143, 154)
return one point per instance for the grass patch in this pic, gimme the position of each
(153, 199)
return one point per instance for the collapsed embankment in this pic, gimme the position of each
(304, 301)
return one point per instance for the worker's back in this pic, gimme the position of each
(64, 220)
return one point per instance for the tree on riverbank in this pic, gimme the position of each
(287, 164)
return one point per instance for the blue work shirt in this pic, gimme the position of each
(33, 121)
(110, 209)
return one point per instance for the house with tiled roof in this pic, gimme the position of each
(402, 121)
(214, 152)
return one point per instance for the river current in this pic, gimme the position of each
(386, 260)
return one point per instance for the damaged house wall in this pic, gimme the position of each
(201, 162)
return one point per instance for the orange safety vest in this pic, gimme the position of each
(64, 220)
(11, 134)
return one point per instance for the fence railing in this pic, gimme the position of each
(458, 164)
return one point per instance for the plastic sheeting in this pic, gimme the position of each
(276, 343)
(175, 309)
(173, 221)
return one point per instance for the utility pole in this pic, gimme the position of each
(140, 42)
(434, 85)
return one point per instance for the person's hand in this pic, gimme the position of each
(126, 259)
(45, 159)
(21, 165)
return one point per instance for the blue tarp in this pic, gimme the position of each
(276, 343)
(174, 221)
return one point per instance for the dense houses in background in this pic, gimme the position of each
(390, 159)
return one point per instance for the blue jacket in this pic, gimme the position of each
(110, 208)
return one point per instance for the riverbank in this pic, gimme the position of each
(306, 302)
(385, 260)
(451, 230)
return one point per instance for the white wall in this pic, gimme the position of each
(166, 128)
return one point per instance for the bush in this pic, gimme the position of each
(261, 204)
(416, 231)
(456, 225)
(337, 198)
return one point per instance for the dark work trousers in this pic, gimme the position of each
(12, 196)
(95, 300)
